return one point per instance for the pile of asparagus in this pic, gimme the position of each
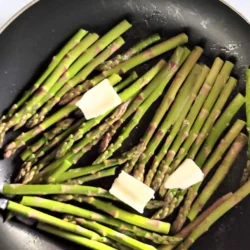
(194, 120)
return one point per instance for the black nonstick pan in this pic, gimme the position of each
(29, 42)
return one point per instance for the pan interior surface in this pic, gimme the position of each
(27, 45)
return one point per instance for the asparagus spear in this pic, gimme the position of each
(35, 164)
(225, 93)
(84, 59)
(185, 232)
(163, 78)
(107, 220)
(107, 232)
(98, 175)
(105, 142)
(56, 140)
(206, 149)
(145, 79)
(176, 127)
(74, 92)
(63, 112)
(233, 200)
(153, 225)
(246, 171)
(97, 132)
(166, 102)
(51, 220)
(45, 189)
(74, 41)
(213, 159)
(218, 177)
(131, 52)
(57, 92)
(173, 114)
(25, 113)
(219, 127)
(89, 170)
(80, 133)
(137, 220)
(138, 59)
(198, 123)
(74, 238)
(60, 127)
(122, 85)
(92, 138)
(199, 101)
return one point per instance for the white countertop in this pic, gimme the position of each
(10, 8)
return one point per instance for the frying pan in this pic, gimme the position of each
(30, 41)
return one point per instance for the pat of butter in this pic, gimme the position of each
(187, 174)
(132, 191)
(98, 100)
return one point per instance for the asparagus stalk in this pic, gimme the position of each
(153, 225)
(89, 170)
(206, 149)
(131, 78)
(139, 232)
(97, 132)
(51, 220)
(176, 127)
(107, 220)
(74, 41)
(48, 136)
(218, 177)
(26, 113)
(217, 155)
(213, 159)
(225, 93)
(74, 238)
(56, 140)
(185, 232)
(163, 78)
(173, 114)
(153, 204)
(177, 82)
(223, 146)
(198, 123)
(96, 176)
(32, 168)
(63, 112)
(27, 110)
(216, 110)
(126, 94)
(45, 189)
(219, 127)
(92, 138)
(138, 59)
(74, 92)
(233, 200)
(105, 142)
(128, 54)
(144, 80)
(137, 220)
(191, 226)
(85, 58)
(57, 92)
(135, 231)
(110, 233)
(246, 171)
